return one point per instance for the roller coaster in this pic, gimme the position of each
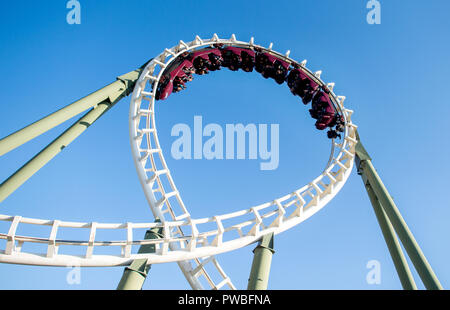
(175, 236)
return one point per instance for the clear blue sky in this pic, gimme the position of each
(394, 76)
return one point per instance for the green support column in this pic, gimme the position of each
(259, 274)
(134, 275)
(399, 259)
(410, 244)
(122, 87)
(51, 150)
(114, 94)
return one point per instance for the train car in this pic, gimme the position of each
(271, 66)
(247, 60)
(323, 110)
(180, 70)
(235, 58)
(339, 124)
(326, 115)
(302, 85)
(205, 60)
(174, 78)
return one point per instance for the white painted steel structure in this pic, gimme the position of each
(191, 242)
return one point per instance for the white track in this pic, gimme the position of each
(190, 242)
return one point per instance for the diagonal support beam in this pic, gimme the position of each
(109, 96)
(397, 255)
(51, 150)
(118, 89)
(368, 172)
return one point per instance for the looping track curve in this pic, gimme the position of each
(190, 242)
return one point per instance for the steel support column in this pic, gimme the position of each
(134, 275)
(110, 95)
(367, 170)
(120, 88)
(51, 150)
(259, 274)
(397, 255)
